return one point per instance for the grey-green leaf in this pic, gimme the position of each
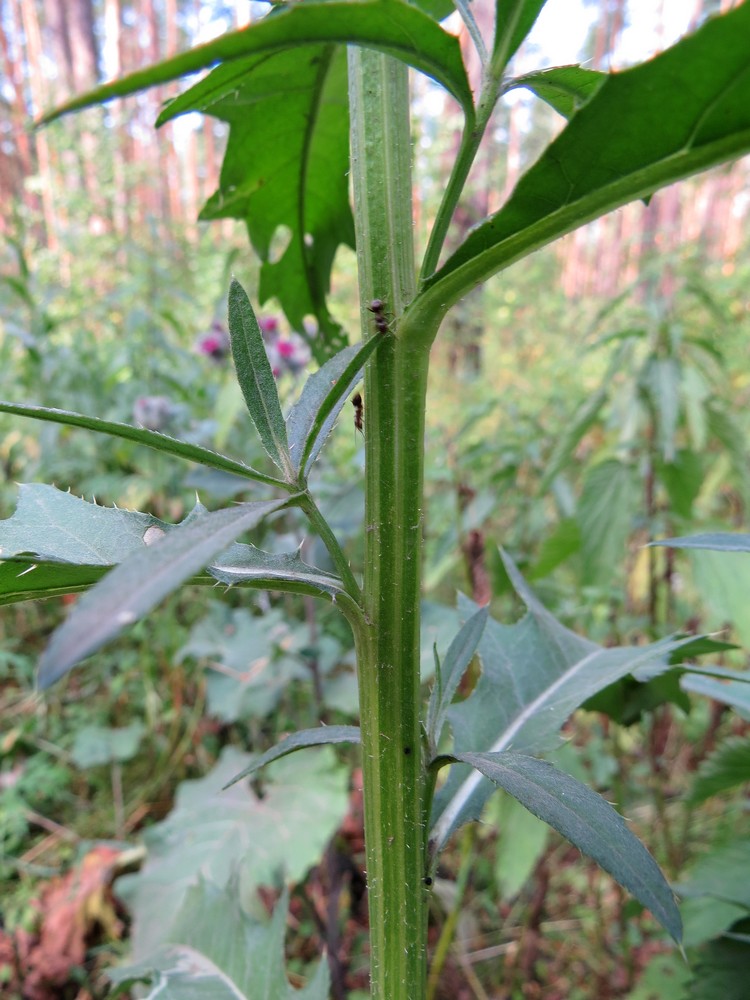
(587, 821)
(135, 586)
(535, 673)
(151, 439)
(727, 767)
(604, 515)
(719, 541)
(315, 412)
(457, 659)
(300, 740)
(256, 378)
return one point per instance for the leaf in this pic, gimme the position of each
(535, 673)
(564, 542)
(571, 435)
(300, 740)
(644, 128)
(233, 835)
(285, 168)
(520, 845)
(683, 478)
(723, 584)
(586, 820)
(98, 745)
(324, 394)
(57, 543)
(604, 515)
(459, 656)
(151, 439)
(256, 378)
(215, 950)
(720, 971)
(661, 381)
(564, 88)
(725, 768)
(733, 693)
(391, 26)
(715, 874)
(134, 587)
(718, 541)
(514, 20)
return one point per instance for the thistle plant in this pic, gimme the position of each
(281, 86)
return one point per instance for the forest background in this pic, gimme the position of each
(608, 386)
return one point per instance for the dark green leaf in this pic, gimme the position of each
(604, 515)
(626, 701)
(735, 693)
(152, 439)
(727, 767)
(325, 392)
(256, 378)
(285, 169)
(565, 88)
(586, 820)
(32, 579)
(644, 128)
(215, 950)
(134, 587)
(535, 673)
(718, 541)
(299, 741)
(515, 19)
(683, 478)
(720, 972)
(459, 656)
(564, 542)
(716, 872)
(391, 26)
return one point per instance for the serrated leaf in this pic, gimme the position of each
(564, 88)
(586, 820)
(234, 836)
(285, 165)
(391, 26)
(216, 950)
(256, 378)
(725, 768)
(604, 516)
(245, 564)
(514, 20)
(644, 128)
(151, 439)
(314, 414)
(460, 654)
(535, 673)
(301, 740)
(135, 586)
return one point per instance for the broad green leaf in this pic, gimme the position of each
(514, 20)
(98, 745)
(256, 378)
(285, 168)
(457, 659)
(720, 972)
(717, 541)
(571, 435)
(564, 542)
(715, 874)
(733, 693)
(535, 673)
(723, 583)
(644, 128)
(664, 978)
(215, 950)
(707, 917)
(683, 478)
(30, 580)
(300, 740)
(586, 820)
(604, 514)
(223, 836)
(314, 414)
(564, 88)
(391, 26)
(135, 586)
(661, 382)
(152, 439)
(727, 767)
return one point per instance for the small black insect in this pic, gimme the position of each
(428, 880)
(377, 308)
(359, 409)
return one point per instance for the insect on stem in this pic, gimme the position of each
(358, 412)
(377, 308)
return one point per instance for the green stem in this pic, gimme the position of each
(388, 647)
(321, 526)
